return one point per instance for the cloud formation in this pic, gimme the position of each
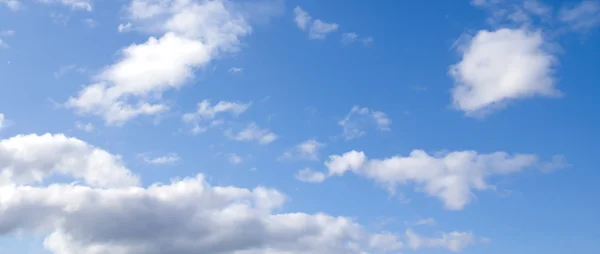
(451, 177)
(111, 213)
(360, 118)
(498, 67)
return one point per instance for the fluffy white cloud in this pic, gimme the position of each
(111, 214)
(583, 16)
(207, 113)
(168, 159)
(453, 241)
(310, 176)
(27, 159)
(451, 177)
(501, 66)
(359, 118)
(252, 132)
(307, 150)
(87, 127)
(194, 33)
(74, 4)
(317, 29)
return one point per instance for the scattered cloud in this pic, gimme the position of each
(501, 66)
(87, 127)
(5, 33)
(168, 159)
(453, 241)
(307, 150)
(74, 4)
(235, 159)
(317, 29)
(349, 38)
(29, 159)
(452, 177)
(359, 118)
(521, 12)
(310, 176)
(236, 70)
(253, 133)
(194, 33)
(124, 27)
(90, 216)
(206, 114)
(581, 17)
(91, 23)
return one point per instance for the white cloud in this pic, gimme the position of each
(253, 133)
(124, 27)
(110, 213)
(317, 29)
(207, 112)
(453, 241)
(168, 159)
(451, 177)
(87, 127)
(307, 150)
(91, 23)
(27, 159)
(502, 66)
(235, 159)
(236, 70)
(359, 118)
(74, 4)
(310, 176)
(194, 33)
(11, 4)
(522, 12)
(581, 17)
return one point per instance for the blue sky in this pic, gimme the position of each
(271, 126)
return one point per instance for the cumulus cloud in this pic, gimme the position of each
(581, 17)
(168, 159)
(206, 114)
(317, 29)
(28, 159)
(501, 66)
(359, 118)
(110, 213)
(194, 33)
(310, 176)
(253, 132)
(307, 150)
(451, 177)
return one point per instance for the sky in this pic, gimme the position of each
(299, 127)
